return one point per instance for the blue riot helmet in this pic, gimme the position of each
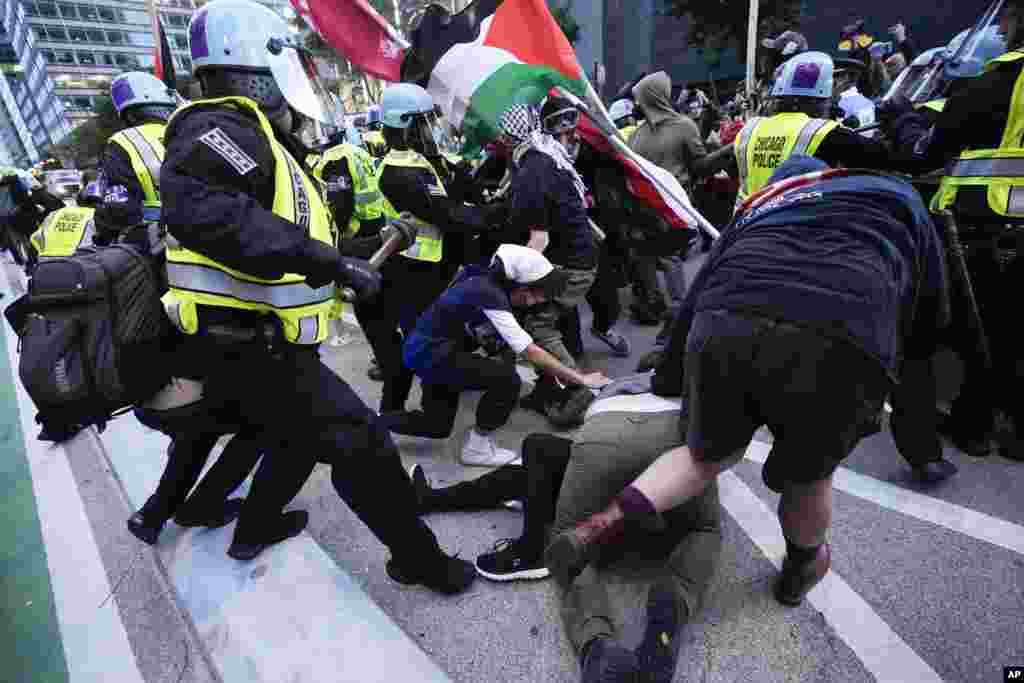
(373, 118)
(407, 113)
(923, 80)
(804, 83)
(982, 47)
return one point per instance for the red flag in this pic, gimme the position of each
(642, 180)
(355, 29)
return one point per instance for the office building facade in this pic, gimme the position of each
(31, 116)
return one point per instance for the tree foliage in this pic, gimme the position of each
(567, 22)
(84, 145)
(719, 24)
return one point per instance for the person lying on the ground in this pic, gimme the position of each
(480, 303)
(560, 482)
(800, 320)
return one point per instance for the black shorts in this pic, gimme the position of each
(818, 395)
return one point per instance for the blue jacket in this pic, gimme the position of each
(855, 257)
(458, 313)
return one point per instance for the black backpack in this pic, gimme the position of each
(91, 329)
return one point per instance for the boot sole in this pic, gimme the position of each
(522, 575)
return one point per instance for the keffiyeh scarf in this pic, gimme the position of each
(522, 126)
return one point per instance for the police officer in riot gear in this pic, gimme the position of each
(130, 166)
(977, 138)
(69, 228)
(801, 125)
(251, 265)
(416, 180)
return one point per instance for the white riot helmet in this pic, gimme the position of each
(138, 96)
(244, 49)
(621, 109)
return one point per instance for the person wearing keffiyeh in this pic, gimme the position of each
(549, 199)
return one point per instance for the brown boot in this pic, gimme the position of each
(796, 580)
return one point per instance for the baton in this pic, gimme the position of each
(402, 237)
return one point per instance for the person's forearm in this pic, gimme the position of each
(551, 365)
(539, 240)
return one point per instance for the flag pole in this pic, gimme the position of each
(609, 130)
(752, 46)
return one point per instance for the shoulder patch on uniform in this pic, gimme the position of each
(228, 149)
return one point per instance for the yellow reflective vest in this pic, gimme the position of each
(429, 244)
(64, 231)
(764, 143)
(144, 146)
(628, 131)
(369, 202)
(197, 280)
(375, 143)
(999, 171)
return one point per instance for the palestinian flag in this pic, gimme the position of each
(495, 53)
(164, 60)
(648, 182)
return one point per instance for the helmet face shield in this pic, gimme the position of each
(296, 76)
(422, 134)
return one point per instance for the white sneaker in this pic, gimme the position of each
(481, 451)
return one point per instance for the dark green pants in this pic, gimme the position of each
(609, 452)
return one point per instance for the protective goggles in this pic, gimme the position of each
(561, 121)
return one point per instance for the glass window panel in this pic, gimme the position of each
(96, 35)
(87, 58)
(126, 60)
(49, 56)
(108, 59)
(115, 37)
(81, 102)
(56, 34)
(64, 57)
(78, 35)
(106, 14)
(31, 9)
(135, 17)
(68, 11)
(141, 39)
(87, 12)
(47, 9)
(180, 42)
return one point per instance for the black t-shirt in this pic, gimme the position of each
(545, 198)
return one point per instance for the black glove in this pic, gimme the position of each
(497, 215)
(891, 109)
(360, 276)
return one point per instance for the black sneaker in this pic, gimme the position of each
(606, 661)
(228, 513)
(447, 575)
(659, 650)
(288, 525)
(144, 528)
(376, 373)
(510, 560)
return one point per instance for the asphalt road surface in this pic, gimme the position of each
(926, 583)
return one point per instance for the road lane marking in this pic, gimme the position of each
(879, 648)
(951, 516)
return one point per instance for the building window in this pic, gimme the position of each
(30, 9)
(87, 12)
(140, 39)
(81, 103)
(107, 14)
(47, 9)
(78, 35)
(184, 62)
(115, 37)
(175, 20)
(108, 59)
(49, 56)
(86, 58)
(126, 60)
(134, 17)
(55, 34)
(96, 35)
(68, 11)
(65, 57)
(179, 41)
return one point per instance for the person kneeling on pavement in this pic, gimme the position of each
(480, 302)
(561, 481)
(799, 320)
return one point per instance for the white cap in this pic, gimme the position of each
(527, 266)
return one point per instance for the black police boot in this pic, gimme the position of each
(935, 471)
(212, 519)
(146, 527)
(286, 526)
(445, 574)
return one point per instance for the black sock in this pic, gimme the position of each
(800, 555)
